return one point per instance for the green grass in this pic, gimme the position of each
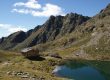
(19, 63)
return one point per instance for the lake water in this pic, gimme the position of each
(83, 70)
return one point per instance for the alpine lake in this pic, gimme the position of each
(83, 70)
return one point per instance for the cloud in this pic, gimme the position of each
(48, 10)
(11, 29)
(33, 4)
(31, 7)
(24, 11)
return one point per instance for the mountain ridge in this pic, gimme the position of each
(66, 30)
(53, 27)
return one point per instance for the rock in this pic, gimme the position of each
(19, 74)
(2, 39)
(7, 63)
(77, 54)
(55, 55)
(24, 76)
(14, 73)
(34, 78)
(26, 73)
(30, 52)
(96, 48)
(71, 40)
(9, 72)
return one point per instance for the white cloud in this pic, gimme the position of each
(41, 11)
(30, 4)
(48, 10)
(11, 29)
(24, 11)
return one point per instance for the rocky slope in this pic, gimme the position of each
(89, 40)
(72, 33)
(54, 27)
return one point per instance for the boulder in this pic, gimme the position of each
(55, 55)
(30, 52)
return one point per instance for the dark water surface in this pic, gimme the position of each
(84, 70)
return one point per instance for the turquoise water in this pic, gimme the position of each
(83, 70)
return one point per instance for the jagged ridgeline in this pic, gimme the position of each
(89, 34)
(54, 27)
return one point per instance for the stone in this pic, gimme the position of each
(9, 72)
(55, 55)
(30, 52)
(24, 76)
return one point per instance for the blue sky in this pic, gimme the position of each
(18, 15)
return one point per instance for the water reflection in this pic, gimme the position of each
(78, 72)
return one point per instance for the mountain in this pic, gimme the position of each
(54, 27)
(66, 35)
(12, 40)
(90, 39)
(98, 29)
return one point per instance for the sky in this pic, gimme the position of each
(16, 15)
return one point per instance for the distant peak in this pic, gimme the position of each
(74, 15)
(71, 14)
(51, 17)
(106, 10)
(108, 6)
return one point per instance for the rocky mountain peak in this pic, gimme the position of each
(108, 6)
(18, 37)
(54, 27)
(106, 11)
(72, 14)
(51, 17)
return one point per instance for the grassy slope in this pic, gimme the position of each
(12, 62)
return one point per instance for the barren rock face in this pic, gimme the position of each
(54, 27)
